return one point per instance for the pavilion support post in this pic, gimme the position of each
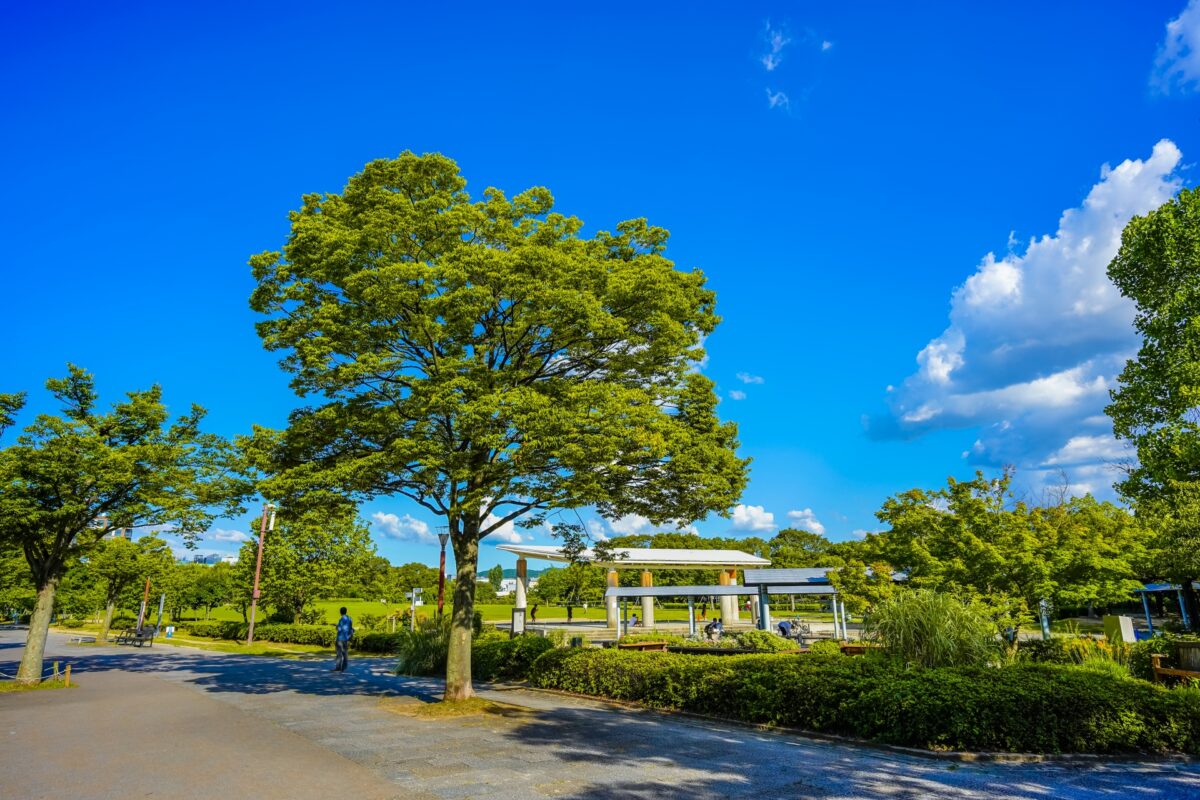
(764, 609)
(1146, 608)
(647, 602)
(845, 630)
(522, 582)
(691, 616)
(1183, 611)
(725, 601)
(837, 632)
(610, 603)
(734, 601)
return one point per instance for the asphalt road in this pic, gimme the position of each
(179, 723)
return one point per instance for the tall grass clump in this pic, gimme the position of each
(423, 651)
(930, 629)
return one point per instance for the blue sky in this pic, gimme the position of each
(841, 172)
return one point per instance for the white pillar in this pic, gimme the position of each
(837, 634)
(735, 602)
(522, 582)
(610, 603)
(692, 616)
(724, 601)
(647, 602)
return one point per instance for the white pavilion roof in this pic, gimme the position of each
(646, 557)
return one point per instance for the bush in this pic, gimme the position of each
(764, 642)
(1016, 708)
(825, 647)
(1043, 651)
(70, 623)
(378, 642)
(1165, 643)
(930, 629)
(507, 659)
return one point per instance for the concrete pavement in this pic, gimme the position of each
(313, 723)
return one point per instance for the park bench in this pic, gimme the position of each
(642, 646)
(1161, 672)
(137, 638)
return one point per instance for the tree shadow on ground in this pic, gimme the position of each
(255, 675)
(715, 760)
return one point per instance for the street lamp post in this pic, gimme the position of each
(443, 537)
(268, 523)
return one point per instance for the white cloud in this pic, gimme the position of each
(1036, 339)
(596, 530)
(752, 518)
(826, 45)
(1090, 450)
(506, 533)
(1177, 65)
(776, 39)
(629, 525)
(778, 100)
(404, 528)
(746, 377)
(223, 535)
(805, 519)
(737, 394)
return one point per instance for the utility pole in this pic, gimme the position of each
(443, 537)
(142, 611)
(267, 524)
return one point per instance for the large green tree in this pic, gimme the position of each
(69, 480)
(119, 566)
(490, 363)
(306, 558)
(1156, 404)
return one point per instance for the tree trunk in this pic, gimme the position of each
(458, 660)
(102, 636)
(30, 670)
(1190, 605)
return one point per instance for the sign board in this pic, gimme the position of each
(416, 592)
(1119, 629)
(518, 621)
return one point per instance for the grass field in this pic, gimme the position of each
(502, 612)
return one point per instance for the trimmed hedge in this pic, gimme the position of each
(507, 659)
(1019, 708)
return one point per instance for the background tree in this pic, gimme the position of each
(794, 548)
(486, 361)
(69, 480)
(573, 584)
(17, 595)
(122, 567)
(496, 577)
(305, 558)
(1156, 404)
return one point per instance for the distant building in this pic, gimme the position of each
(206, 558)
(509, 585)
(120, 533)
(229, 559)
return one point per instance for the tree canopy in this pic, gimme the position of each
(70, 479)
(490, 363)
(1156, 404)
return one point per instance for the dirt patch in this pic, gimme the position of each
(455, 709)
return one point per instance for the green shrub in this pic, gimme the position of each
(825, 647)
(369, 622)
(1043, 651)
(1162, 643)
(377, 642)
(764, 642)
(507, 659)
(1015, 708)
(930, 629)
(70, 623)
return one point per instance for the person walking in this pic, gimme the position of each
(533, 613)
(570, 614)
(345, 630)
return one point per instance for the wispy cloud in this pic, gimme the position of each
(737, 394)
(778, 100)
(826, 45)
(1177, 65)
(224, 535)
(746, 377)
(776, 39)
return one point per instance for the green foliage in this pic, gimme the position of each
(1166, 644)
(764, 642)
(825, 647)
(487, 361)
(306, 557)
(861, 586)
(423, 651)
(930, 629)
(496, 577)
(71, 623)
(574, 584)
(507, 659)
(377, 642)
(1019, 708)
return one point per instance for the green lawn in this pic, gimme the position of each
(13, 686)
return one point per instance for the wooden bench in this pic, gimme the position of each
(1160, 671)
(137, 638)
(642, 646)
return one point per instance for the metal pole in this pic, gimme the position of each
(268, 509)
(691, 616)
(845, 630)
(412, 611)
(442, 537)
(837, 634)
(1146, 606)
(142, 611)
(162, 598)
(1183, 611)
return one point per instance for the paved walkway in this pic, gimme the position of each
(206, 716)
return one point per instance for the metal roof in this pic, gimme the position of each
(645, 557)
(817, 575)
(1151, 588)
(712, 591)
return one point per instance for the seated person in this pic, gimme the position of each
(785, 629)
(714, 629)
(634, 622)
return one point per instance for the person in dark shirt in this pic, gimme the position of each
(785, 629)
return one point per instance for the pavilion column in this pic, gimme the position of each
(726, 602)
(522, 582)
(647, 602)
(734, 602)
(610, 603)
